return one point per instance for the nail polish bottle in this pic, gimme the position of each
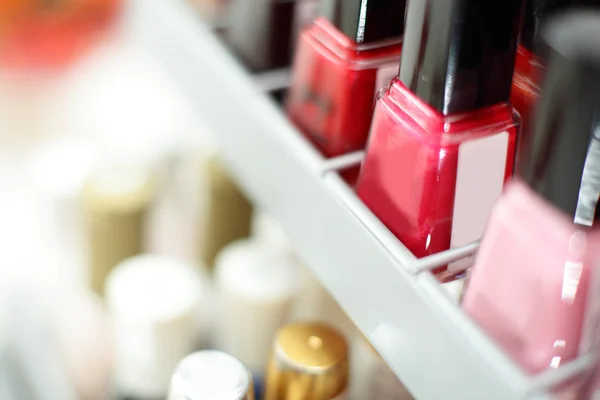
(529, 286)
(443, 136)
(262, 32)
(211, 374)
(529, 67)
(308, 361)
(349, 53)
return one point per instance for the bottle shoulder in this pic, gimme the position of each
(405, 109)
(325, 39)
(526, 213)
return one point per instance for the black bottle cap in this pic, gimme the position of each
(459, 55)
(561, 158)
(366, 21)
(539, 11)
(530, 26)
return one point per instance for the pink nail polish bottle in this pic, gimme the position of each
(538, 258)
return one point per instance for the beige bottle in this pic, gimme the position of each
(228, 213)
(117, 202)
(309, 362)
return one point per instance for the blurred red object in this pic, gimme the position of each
(51, 33)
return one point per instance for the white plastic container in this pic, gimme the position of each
(256, 285)
(155, 303)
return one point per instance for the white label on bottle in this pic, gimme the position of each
(385, 74)
(590, 336)
(479, 181)
(590, 184)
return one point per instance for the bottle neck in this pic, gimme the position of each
(434, 121)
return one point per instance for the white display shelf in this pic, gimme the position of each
(427, 340)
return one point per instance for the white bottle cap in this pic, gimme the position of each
(256, 285)
(155, 302)
(211, 375)
(269, 230)
(58, 168)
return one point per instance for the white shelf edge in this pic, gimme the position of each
(429, 343)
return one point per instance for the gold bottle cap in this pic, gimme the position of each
(310, 363)
(120, 189)
(314, 347)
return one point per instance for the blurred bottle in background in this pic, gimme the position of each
(32, 365)
(227, 214)
(156, 306)
(263, 33)
(117, 201)
(51, 34)
(255, 288)
(56, 172)
(85, 339)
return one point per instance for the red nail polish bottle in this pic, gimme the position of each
(52, 34)
(529, 67)
(443, 137)
(342, 59)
